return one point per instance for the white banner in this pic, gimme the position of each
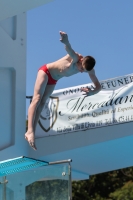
(70, 110)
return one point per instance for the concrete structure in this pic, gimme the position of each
(93, 151)
(13, 76)
(12, 8)
(12, 86)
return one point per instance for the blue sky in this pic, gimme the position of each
(103, 29)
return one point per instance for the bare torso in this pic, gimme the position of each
(63, 67)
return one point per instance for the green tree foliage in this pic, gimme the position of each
(123, 193)
(114, 185)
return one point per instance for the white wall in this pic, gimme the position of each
(12, 87)
(9, 8)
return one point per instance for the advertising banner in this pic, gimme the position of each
(70, 109)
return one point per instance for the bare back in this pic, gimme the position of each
(63, 67)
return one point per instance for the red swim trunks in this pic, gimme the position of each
(51, 81)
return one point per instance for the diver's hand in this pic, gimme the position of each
(88, 91)
(64, 38)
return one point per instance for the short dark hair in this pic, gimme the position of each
(89, 62)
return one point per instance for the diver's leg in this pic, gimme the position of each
(48, 91)
(39, 89)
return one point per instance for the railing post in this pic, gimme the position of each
(70, 183)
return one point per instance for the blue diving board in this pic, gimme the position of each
(19, 164)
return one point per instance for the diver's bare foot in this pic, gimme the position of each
(29, 136)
